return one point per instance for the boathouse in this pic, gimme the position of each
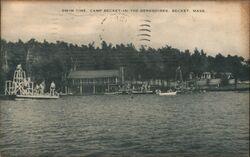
(82, 82)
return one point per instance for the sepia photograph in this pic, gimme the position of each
(124, 78)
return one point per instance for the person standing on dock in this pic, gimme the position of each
(37, 89)
(52, 88)
(42, 87)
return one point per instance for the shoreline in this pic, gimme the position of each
(220, 89)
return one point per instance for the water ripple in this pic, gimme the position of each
(210, 124)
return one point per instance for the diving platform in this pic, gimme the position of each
(22, 87)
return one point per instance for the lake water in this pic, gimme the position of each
(212, 124)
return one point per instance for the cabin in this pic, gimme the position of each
(82, 82)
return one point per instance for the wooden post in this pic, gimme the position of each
(5, 88)
(32, 88)
(81, 86)
(108, 84)
(93, 86)
(10, 88)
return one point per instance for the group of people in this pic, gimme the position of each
(39, 89)
(143, 87)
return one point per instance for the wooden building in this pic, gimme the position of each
(82, 82)
(206, 75)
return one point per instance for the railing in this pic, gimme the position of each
(9, 88)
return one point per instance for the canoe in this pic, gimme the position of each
(168, 94)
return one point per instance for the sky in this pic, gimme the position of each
(220, 28)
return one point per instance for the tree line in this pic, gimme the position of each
(45, 61)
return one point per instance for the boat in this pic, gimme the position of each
(22, 88)
(65, 94)
(142, 92)
(168, 93)
(17, 97)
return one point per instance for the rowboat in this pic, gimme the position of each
(168, 94)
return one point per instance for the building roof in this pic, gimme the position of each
(93, 74)
(206, 73)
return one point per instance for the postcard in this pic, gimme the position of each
(124, 78)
